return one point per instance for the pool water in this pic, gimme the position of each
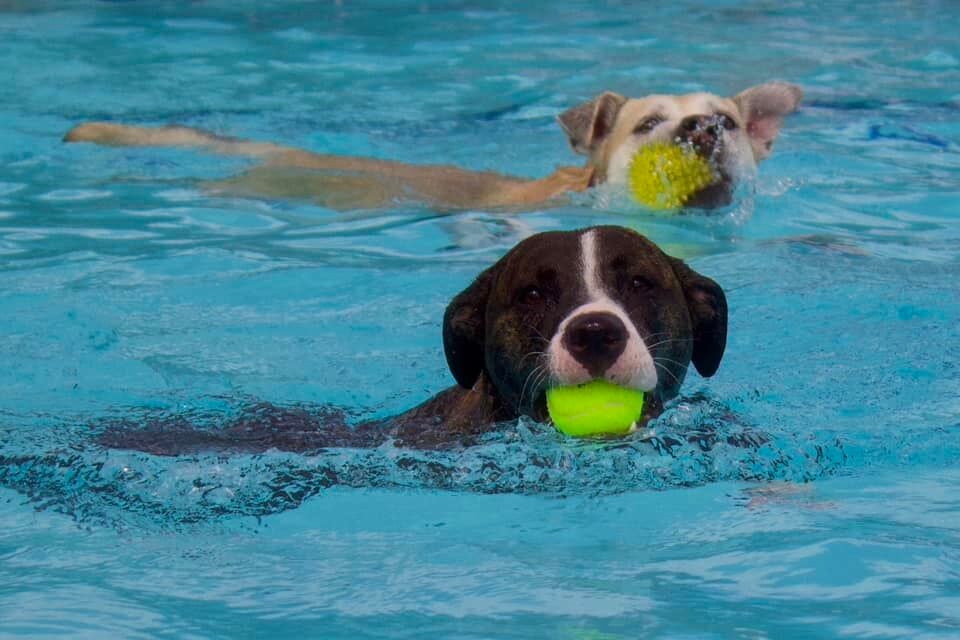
(126, 292)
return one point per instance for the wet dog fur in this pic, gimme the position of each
(560, 308)
(735, 134)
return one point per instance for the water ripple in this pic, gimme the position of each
(119, 488)
(75, 195)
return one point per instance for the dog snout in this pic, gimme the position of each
(596, 340)
(701, 131)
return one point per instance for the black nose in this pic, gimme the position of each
(595, 340)
(700, 131)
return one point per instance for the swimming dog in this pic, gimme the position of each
(735, 134)
(560, 308)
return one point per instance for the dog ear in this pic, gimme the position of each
(707, 305)
(464, 330)
(588, 124)
(763, 108)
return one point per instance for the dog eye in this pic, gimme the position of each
(726, 121)
(648, 124)
(531, 296)
(639, 283)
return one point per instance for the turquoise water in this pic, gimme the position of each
(127, 292)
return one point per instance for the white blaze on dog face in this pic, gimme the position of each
(567, 307)
(633, 367)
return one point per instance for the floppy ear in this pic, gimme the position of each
(587, 125)
(464, 331)
(708, 316)
(763, 108)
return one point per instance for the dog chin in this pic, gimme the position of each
(720, 193)
(714, 196)
(735, 182)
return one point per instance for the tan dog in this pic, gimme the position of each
(733, 133)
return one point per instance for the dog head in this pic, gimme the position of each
(734, 134)
(567, 307)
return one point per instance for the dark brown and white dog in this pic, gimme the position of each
(733, 133)
(561, 308)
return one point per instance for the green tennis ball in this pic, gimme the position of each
(594, 409)
(664, 176)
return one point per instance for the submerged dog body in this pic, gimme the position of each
(733, 133)
(561, 308)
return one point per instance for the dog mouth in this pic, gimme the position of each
(719, 193)
(539, 411)
(715, 195)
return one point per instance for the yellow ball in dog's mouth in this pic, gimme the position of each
(597, 408)
(665, 176)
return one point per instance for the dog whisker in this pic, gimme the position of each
(534, 373)
(665, 359)
(668, 341)
(537, 385)
(659, 333)
(537, 334)
(667, 370)
(532, 353)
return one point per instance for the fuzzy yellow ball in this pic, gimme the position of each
(596, 408)
(664, 176)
